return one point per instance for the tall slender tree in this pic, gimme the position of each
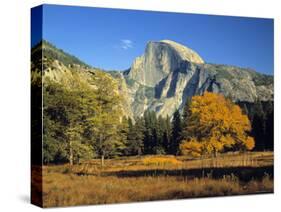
(185, 119)
(270, 131)
(136, 137)
(176, 132)
(258, 126)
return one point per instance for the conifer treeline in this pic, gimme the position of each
(157, 135)
(261, 115)
(150, 135)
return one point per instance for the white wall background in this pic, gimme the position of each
(15, 106)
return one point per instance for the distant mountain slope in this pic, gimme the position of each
(51, 51)
(67, 70)
(161, 79)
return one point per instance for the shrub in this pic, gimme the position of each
(191, 147)
(160, 161)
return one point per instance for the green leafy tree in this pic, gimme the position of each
(104, 124)
(65, 110)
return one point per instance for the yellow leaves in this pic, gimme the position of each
(216, 144)
(227, 140)
(161, 160)
(214, 110)
(191, 147)
(216, 123)
(250, 143)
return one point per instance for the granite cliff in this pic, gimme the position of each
(161, 79)
(168, 73)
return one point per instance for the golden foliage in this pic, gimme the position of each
(191, 147)
(250, 143)
(160, 161)
(217, 124)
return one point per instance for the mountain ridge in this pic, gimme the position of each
(176, 78)
(164, 77)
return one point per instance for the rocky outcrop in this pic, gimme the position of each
(160, 59)
(168, 73)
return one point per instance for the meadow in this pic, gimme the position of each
(146, 178)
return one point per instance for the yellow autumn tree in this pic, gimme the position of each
(191, 147)
(215, 124)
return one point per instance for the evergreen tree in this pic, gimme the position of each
(160, 130)
(136, 137)
(169, 133)
(269, 135)
(176, 132)
(123, 131)
(269, 125)
(186, 115)
(258, 126)
(130, 123)
(166, 136)
(150, 139)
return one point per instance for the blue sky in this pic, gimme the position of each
(111, 39)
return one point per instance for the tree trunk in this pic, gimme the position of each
(70, 154)
(102, 160)
(215, 154)
(102, 150)
(139, 151)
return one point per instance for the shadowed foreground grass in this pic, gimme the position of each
(130, 180)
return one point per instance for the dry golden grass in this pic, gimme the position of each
(138, 179)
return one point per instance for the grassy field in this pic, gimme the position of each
(147, 178)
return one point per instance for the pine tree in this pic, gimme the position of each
(136, 137)
(167, 134)
(185, 119)
(270, 131)
(123, 131)
(176, 132)
(160, 130)
(150, 134)
(258, 126)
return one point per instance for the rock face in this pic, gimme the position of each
(161, 79)
(160, 59)
(168, 73)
